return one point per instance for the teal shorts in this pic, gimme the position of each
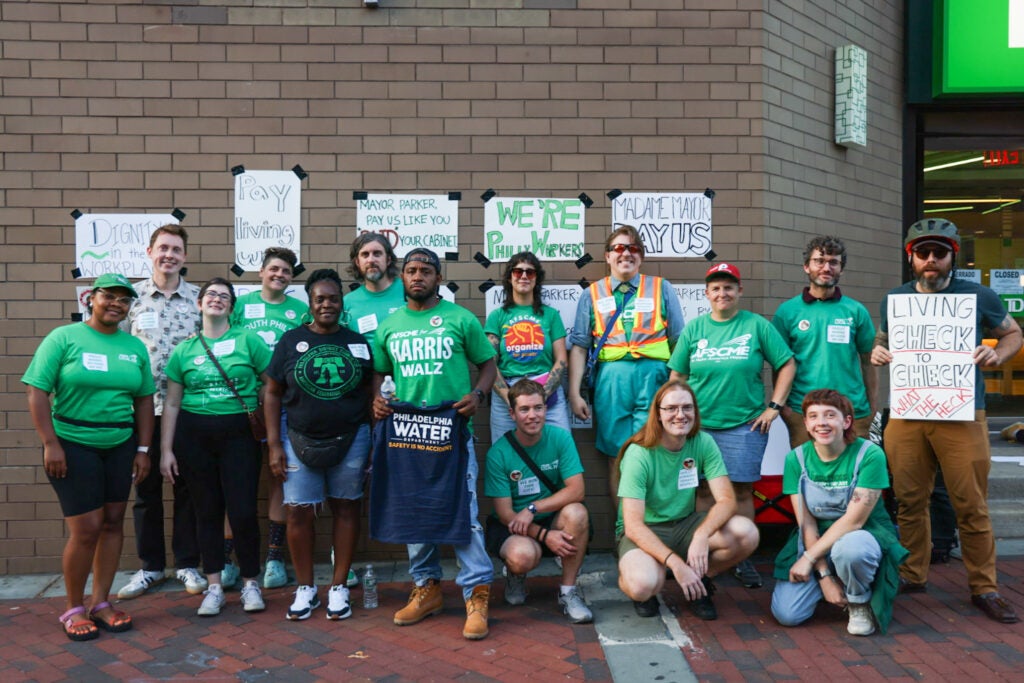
(622, 398)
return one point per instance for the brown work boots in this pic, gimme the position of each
(426, 600)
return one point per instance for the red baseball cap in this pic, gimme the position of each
(722, 270)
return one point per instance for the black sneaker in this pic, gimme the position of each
(704, 608)
(748, 575)
(647, 608)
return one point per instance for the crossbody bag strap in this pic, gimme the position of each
(592, 358)
(231, 385)
(511, 436)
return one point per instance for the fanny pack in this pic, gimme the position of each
(93, 425)
(320, 453)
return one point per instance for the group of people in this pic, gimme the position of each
(185, 374)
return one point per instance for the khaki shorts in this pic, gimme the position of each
(676, 535)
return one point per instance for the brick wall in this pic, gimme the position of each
(125, 107)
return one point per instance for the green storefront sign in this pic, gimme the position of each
(1014, 304)
(981, 49)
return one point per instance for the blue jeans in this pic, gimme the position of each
(501, 421)
(854, 558)
(476, 566)
(311, 486)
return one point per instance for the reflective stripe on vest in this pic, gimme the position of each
(649, 337)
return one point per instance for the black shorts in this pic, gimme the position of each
(96, 476)
(497, 533)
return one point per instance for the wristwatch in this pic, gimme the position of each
(776, 406)
(823, 573)
(532, 508)
(479, 394)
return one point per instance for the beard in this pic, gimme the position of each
(421, 297)
(933, 280)
(373, 275)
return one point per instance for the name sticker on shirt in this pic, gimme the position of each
(360, 351)
(606, 304)
(147, 320)
(94, 361)
(687, 478)
(255, 311)
(368, 323)
(644, 305)
(224, 348)
(838, 334)
(529, 487)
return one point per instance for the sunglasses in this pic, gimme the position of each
(528, 273)
(938, 251)
(622, 248)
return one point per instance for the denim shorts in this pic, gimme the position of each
(312, 486)
(742, 451)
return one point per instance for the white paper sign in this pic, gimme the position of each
(267, 214)
(969, 275)
(671, 224)
(932, 340)
(1005, 281)
(116, 243)
(409, 221)
(549, 227)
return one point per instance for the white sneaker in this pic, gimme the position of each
(338, 607)
(575, 607)
(862, 621)
(213, 600)
(140, 582)
(306, 600)
(252, 597)
(194, 582)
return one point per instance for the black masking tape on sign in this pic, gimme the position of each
(452, 286)
(486, 196)
(298, 270)
(612, 194)
(237, 170)
(178, 214)
(583, 283)
(298, 170)
(709, 193)
(583, 260)
(587, 201)
(711, 255)
(451, 256)
(455, 196)
(358, 195)
(76, 214)
(486, 285)
(237, 270)
(76, 273)
(76, 317)
(481, 259)
(353, 286)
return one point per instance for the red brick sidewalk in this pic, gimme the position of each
(170, 642)
(938, 636)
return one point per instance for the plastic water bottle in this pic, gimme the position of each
(387, 388)
(370, 600)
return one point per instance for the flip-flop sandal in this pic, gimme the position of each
(121, 623)
(69, 622)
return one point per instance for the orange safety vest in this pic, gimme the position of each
(649, 337)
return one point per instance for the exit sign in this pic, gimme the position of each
(982, 47)
(1002, 157)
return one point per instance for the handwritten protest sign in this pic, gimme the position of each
(932, 340)
(116, 243)
(409, 221)
(693, 301)
(267, 209)
(671, 224)
(550, 228)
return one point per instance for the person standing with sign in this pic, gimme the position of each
(427, 346)
(831, 337)
(530, 340)
(626, 325)
(269, 312)
(374, 264)
(162, 316)
(961, 448)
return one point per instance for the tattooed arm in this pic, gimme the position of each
(500, 385)
(880, 355)
(1008, 335)
(559, 369)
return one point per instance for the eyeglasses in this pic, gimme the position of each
(111, 298)
(528, 273)
(672, 410)
(834, 262)
(923, 252)
(622, 248)
(223, 296)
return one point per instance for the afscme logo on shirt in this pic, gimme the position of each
(738, 348)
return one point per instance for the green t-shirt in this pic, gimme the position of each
(724, 363)
(667, 481)
(268, 321)
(525, 339)
(839, 473)
(509, 477)
(827, 338)
(366, 310)
(427, 352)
(93, 377)
(243, 356)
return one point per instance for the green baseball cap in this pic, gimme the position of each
(111, 280)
